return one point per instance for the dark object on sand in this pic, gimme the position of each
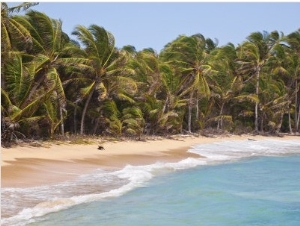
(251, 139)
(101, 148)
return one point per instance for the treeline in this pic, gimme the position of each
(52, 84)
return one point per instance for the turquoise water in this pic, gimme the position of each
(260, 191)
(239, 183)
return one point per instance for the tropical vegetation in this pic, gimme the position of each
(52, 85)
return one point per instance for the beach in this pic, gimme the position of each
(27, 166)
(55, 176)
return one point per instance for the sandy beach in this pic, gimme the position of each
(45, 177)
(27, 166)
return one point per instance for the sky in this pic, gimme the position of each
(154, 24)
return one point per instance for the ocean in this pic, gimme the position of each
(242, 182)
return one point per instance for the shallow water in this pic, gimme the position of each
(240, 183)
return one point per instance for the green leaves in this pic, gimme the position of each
(49, 80)
(251, 98)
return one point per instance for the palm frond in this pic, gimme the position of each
(86, 90)
(29, 109)
(5, 99)
(124, 97)
(249, 97)
(5, 38)
(16, 78)
(111, 109)
(227, 118)
(31, 120)
(22, 7)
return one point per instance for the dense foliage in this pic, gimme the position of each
(52, 85)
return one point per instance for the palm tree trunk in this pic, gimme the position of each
(197, 110)
(75, 119)
(62, 127)
(190, 113)
(256, 104)
(165, 105)
(296, 105)
(262, 122)
(96, 125)
(220, 121)
(290, 123)
(33, 90)
(85, 109)
(280, 123)
(298, 120)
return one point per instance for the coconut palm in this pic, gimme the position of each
(119, 87)
(17, 108)
(133, 121)
(253, 55)
(273, 99)
(174, 104)
(49, 49)
(12, 32)
(148, 77)
(225, 83)
(157, 86)
(99, 46)
(279, 66)
(14, 36)
(189, 56)
(293, 40)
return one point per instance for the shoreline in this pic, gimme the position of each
(27, 166)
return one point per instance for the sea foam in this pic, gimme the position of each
(130, 176)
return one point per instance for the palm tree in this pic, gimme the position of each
(17, 108)
(120, 88)
(14, 36)
(253, 55)
(146, 67)
(189, 55)
(280, 65)
(157, 90)
(99, 48)
(12, 32)
(174, 104)
(274, 102)
(49, 49)
(148, 76)
(133, 121)
(293, 40)
(225, 83)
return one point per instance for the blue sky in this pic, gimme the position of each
(154, 24)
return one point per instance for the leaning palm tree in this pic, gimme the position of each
(293, 40)
(224, 83)
(146, 67)
(118, 86)
(49, 46)
(14, 36)
(19, 112)
(282, 67)
(99, 46)
(189, 56)
(253, 55)
(274, 102)
(157, 86)
(12, 32)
